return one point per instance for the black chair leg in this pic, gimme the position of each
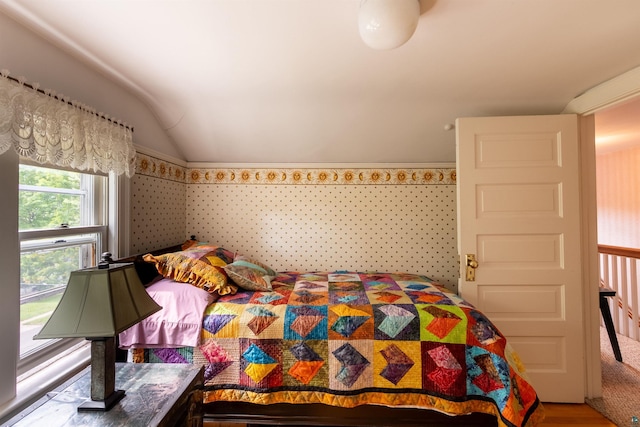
(608, 322)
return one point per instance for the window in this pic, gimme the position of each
(63, 227)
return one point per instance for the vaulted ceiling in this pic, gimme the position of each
(291, 80)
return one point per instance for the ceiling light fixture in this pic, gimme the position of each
(387, 24)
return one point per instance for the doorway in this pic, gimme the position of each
(609, 94)
(617, 152)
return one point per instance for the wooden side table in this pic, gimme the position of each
(157, 394)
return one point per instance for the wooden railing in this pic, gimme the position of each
(620, 270)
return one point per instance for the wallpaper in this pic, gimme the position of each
(618, 195)
(158, 211)
(361, 219)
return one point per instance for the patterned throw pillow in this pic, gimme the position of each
(250, 275)
(201, 265)
(212, 255)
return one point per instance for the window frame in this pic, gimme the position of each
(95, 210)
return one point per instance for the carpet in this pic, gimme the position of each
(620, 381)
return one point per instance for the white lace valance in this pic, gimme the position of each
(48, 129)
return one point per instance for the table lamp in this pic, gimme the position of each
(98, 304)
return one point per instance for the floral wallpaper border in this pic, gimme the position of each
(158, 168)
(151, 166)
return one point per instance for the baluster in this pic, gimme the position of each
(635, 316)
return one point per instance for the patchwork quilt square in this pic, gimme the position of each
(388, 296)
(481, 332)
(305, 363)
(358, 297)
(260, 363)
(170, 355)
(379, 282)
(397, 364)
(240, 297)
(306, 322)
(396, 322)
(262, 321)
(343, 277)
(313, 277)
(319, 286)
(488, 375)
(350, 322)
(444, 368)
(222, 320)
(427, 297)
(350, 365)
(443, 323)
(306, 297)
(221, 364)
(346, 286)
(278, 296)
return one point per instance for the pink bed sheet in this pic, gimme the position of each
(179, 322)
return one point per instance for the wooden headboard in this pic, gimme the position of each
(146, 270)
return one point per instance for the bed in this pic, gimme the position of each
(341, 348)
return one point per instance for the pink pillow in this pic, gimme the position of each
(179, 322)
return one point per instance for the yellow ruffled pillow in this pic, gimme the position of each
(202, 268)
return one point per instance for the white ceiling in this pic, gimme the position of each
(291, 81)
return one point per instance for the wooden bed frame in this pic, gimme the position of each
(315, 414)
(255, 415)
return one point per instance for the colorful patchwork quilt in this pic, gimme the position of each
(348, 339)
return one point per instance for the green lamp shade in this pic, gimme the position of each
(99, 302)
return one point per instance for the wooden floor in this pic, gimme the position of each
(557, 415)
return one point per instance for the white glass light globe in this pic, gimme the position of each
(387, 24)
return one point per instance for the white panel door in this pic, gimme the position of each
(519, 214)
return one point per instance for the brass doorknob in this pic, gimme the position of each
(471, 264)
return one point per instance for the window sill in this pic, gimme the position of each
(35, 383)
